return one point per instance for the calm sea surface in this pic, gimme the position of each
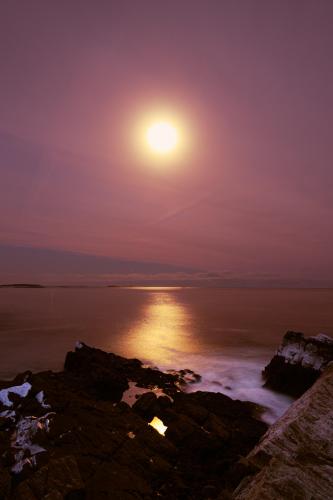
(226, 335)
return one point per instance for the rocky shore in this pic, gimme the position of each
(295, 457)
(298, 363)
(83, 434)
(107, 427)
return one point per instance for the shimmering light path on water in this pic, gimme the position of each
(227, 335)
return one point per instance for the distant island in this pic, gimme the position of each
(21, 285)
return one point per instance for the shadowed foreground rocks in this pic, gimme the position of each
(70, 436)
(298, 363)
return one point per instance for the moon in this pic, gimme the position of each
(162, 137)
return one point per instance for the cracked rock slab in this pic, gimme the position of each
(294, 459)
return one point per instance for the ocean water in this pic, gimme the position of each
(226, 335)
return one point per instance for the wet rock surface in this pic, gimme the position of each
(70, 436)
(295, 457)
(298, 363)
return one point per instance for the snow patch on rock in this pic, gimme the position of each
(26, 429)
(41, 400)
(8, 414)
(322, 337)
(21, 390)
(312, 352)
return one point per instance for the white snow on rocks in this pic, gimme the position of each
(41, 400)
(309, 352)
(25, 450)
(8, 414)
(322, 337)
(26, 429)
(21, 390)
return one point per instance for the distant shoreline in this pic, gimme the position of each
(22, 285)
(158, 285)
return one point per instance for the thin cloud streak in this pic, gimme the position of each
(180, 210)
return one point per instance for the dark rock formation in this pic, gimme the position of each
(295, 457)
(69, 436)
(298, 363)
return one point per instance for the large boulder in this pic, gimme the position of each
(298, 362)
(106, 375)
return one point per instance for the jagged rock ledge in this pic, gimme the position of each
(72, 435)
(298, 363)
(295, 457)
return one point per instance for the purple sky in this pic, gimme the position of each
(254, 81)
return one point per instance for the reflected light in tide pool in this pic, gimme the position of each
(158, 425)
(163, 331)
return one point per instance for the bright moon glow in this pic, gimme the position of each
(158, 425)
(162, 137)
